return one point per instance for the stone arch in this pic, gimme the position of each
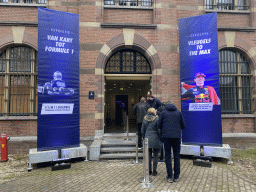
(127, 40)
(239, 44)
(135, 42)
(25, 39)
(244, 47)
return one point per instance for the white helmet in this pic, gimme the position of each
(57, 75)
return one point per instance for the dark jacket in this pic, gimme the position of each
(159, 110)
(149, 130)
(171, 122)
(140, 110)
(155, 103)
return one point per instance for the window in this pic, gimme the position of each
(107, 2)
(235, 82)
(146, 3)
(27, 1)
(128, 62)
(18, 80)
(227, 4)
(41, 1)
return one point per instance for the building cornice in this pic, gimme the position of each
(19, 23)
(134, 26)
(241, 29)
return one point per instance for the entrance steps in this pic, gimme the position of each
(116, 146)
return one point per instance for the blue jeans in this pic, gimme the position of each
(173, 143)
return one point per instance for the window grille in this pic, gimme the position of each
(145, 3)
(41, 1)
(18, 80)
(235, 83)
(127, 62)
(27, 1)
(227, 4)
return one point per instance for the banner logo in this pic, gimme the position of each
(57, 108)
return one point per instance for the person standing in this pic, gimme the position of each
(149, 130)
(140, 110)
(170, 124)
(153, 102)
(199, 93)
(160, 109)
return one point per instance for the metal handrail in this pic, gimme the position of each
(225, 5)
(143, 3)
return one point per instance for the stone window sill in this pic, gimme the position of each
(136, 26)
(227, 11)
(17, 118)
(23, 4)
(226, 116)
(126, 7)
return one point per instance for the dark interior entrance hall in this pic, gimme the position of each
(120, 98)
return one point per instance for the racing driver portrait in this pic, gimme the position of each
(199, 93)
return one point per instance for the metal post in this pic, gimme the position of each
(146, 162)
(124, 118)
(137, 151)
(127, 127)
(146, 181)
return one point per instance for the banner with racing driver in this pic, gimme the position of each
(199, 77)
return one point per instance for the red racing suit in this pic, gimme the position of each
(208, 96)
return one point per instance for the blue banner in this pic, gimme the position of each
(199, 77)
(58, 80)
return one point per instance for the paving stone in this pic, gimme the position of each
(123, 175)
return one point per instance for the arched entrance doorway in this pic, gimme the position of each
(127, 79)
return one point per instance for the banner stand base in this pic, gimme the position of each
(48, 156)
(210, 151)
(61, 163)
(203, 161)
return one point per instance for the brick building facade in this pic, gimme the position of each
(131, 34)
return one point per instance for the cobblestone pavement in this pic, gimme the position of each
(123, 175)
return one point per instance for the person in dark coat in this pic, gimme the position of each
(160, 109)
(149, 130)
(170, 124)
(140, 110)
(153, 102)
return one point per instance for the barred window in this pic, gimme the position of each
(145, 3)
(227, 4)
(27, 1)
(235, 82)
(127, 62)
(18, 80)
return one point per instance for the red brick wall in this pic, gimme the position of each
(18, 13)
(19, 127)
(128, 16)
(163, 39)
(233, 20)
(238, 125)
